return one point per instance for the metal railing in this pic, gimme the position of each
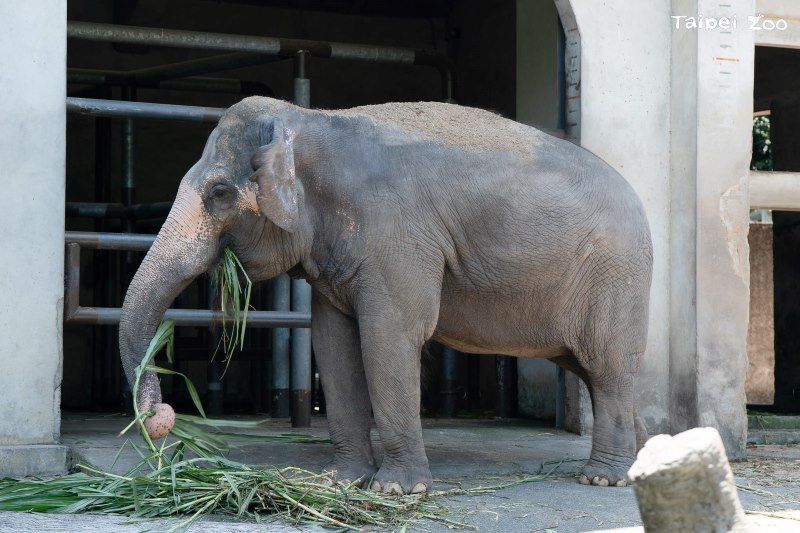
(74, 313)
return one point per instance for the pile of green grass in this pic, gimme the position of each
(187, 476)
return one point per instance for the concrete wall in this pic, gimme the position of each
(32, 55)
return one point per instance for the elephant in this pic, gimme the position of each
(412, 222)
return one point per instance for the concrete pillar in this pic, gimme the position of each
(711, 122)
(32, 153)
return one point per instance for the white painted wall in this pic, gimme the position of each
(625, 99)
(32, 152)
(774, 10)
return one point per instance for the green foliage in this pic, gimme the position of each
(234, 300)
(762, 145)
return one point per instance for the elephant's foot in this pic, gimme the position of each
(349, 471)
(603, 474)
(411, 478)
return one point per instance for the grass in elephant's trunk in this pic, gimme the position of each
(225, 277)
(187, 476)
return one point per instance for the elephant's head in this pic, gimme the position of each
(243, 193)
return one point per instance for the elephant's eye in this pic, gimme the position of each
(220, 191)
(222, 194)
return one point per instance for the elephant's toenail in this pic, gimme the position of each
(584, 480)
(393, 488)
(419, 487)
(375, 486)
(621, 483)
(600, 481)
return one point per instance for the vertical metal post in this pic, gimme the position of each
(104, 274)
(280, 349)
(501, 401)
(449, 390)
(214, 371)
(128, 196)
(561, 94)
(301, 291)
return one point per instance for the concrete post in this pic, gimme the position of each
(711, 123)
(32, 154)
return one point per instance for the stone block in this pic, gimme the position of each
(33, 460)
(684, 483)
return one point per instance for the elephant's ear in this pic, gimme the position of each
(274, 173)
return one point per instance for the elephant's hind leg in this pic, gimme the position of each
(608, 352)
(614, 441)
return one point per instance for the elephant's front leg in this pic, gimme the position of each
(338, 356)
(392, 335)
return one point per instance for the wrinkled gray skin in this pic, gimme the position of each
(406, 239)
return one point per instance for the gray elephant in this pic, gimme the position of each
(416, 221)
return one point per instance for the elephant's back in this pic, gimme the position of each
(468, 128)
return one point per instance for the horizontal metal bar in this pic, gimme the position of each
(112, 210)
(110, 241)
(775, 190)
(197, 83)
(203, 65)
(120, 109)
(195, 317)
(238, 43)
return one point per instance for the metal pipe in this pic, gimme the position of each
(301, 291)
(110, 241)
(119, 109)
(72, 278)
(128, 190)
(264, 45)
(503, 400)
(195, 317)
(203, 65)
(236, 43)
(280, 350)
(112, 210)
(128, 196)
(449, 392)
(200, 84)
(104, 286)
(214, 370)
(301, 357)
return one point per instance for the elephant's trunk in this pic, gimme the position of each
(182, 251)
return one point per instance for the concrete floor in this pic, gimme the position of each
(471, 452)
